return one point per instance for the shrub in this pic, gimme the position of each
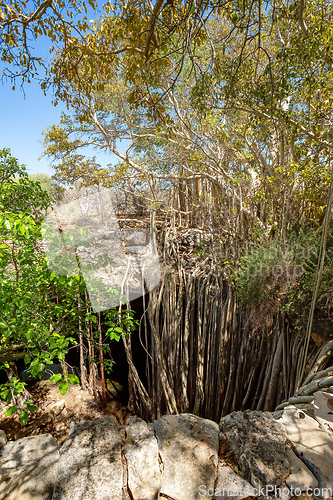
(278, 275)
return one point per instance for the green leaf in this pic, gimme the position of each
(234, 18)
(23, 418)
(27, 359)
(63, 387)
(56, 377)
(7, 395)
(29, 335)
(73, 379)
(32, 408)
(11, 410)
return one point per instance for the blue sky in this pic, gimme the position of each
(23, 117)
(22, 121)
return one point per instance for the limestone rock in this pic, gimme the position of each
(258, 443)
(188, 446)
(136, 249)
(231, 486)
(300, 477)
(136, 238)
(323, 410)
(28, 468)
(176, 457)
(3, 438)
(312, 441)
(90, 462)
(141, 453)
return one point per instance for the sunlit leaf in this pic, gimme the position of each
(63, 387)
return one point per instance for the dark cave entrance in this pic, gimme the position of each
(120, 369)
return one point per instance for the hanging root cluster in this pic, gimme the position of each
(203, 354)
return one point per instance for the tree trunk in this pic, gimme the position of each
(101, 360)
(83, 370)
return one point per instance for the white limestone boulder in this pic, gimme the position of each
(90, 464)
(312, 443)
(28, 468)
(231, 486)
(188, 446)
(142, 459)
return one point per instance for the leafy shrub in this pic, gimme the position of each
(278, 275)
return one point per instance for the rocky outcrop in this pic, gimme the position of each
(90, 463)
(258, 443)
(178, 457)
(143, 468)
(28, 468)
(188, 446)
(312, 445)
(230, 485)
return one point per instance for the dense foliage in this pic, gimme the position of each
(279, 275)
(41, 313)
(244, 125)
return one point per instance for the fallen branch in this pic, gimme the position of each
(323, 355)
(310, 465)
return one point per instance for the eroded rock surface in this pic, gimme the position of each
(230, 485)
(300, 477)
(323, 410)
(188, 446)
(28, 468)
(177, 458)
(312, 442)
(258, 443)
(90, 462)
(143, 468)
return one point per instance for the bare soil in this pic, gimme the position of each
(79, 405)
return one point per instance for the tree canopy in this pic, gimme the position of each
(22, 23)
(236, 97)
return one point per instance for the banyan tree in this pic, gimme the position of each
(224, 133)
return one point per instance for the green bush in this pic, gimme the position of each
(278, 275)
